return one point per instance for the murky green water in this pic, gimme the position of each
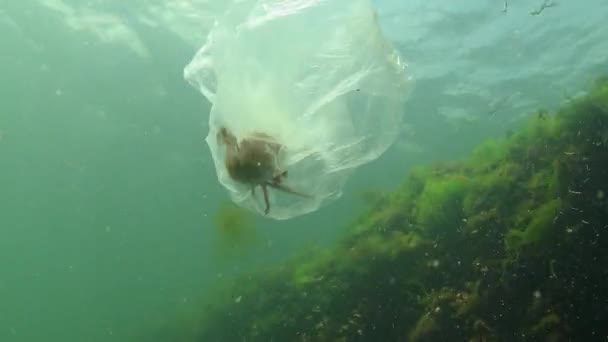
(108, 194)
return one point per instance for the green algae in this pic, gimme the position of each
(439, 204)
(502, 246)
(541, 223)
(235, 229)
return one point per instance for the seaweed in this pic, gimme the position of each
(508, 245)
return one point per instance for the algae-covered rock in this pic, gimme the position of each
(509, 245)
(541, 223)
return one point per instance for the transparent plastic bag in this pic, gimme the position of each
(316, 80)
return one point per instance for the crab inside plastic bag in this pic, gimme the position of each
(312, 84)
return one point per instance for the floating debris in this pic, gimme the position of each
(546, 4)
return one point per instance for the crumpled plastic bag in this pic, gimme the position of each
(317, 78)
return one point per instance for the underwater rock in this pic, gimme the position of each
(510, 245)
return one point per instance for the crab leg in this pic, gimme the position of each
(265, 190)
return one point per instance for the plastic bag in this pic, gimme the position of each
(312, 84)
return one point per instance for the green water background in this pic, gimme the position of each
(107, 189)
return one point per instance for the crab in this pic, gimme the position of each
(253, 161)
